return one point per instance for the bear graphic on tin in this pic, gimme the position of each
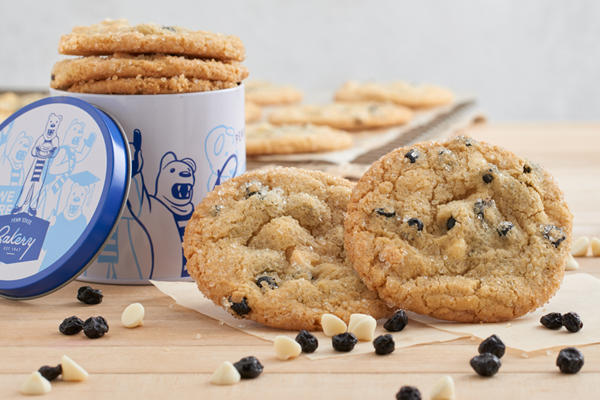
(44, 149)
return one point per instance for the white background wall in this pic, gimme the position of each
(525, 60)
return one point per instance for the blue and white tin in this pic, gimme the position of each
(182, 146)
(64, 178)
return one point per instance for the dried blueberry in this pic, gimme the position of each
(50, 373)
(52, 77)
(344, 342)
(572, 322)
(417, 222)
(307, 341)
(553, 234)
(487, 178)
(87, 295)
(552, 320)
(480, 205)
(486, 364)
(526, 169)
(249, 367)
(95, 327)
(266, 281)
(450, 223)
(168, 28)
(250, 193)
(569, 360)
(504, 227)
(408, 393)
(383, 212)
(492, 345)
(241, 308)
(71, 326)
(384, 344)
(397, 322)
(412, 155)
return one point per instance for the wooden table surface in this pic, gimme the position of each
(175, 352)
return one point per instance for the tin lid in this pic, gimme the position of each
(64, 180)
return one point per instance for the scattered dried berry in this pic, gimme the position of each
(487, 178)
(307, 341)
(249, 367)
(383, 212)
(266, 281)
(417, 222)
(50, 373)
(450, 223)
(480, 205)
(241, 308)
(492, 345)
(526, 169)
(552, 320)
(408, 393)
(504, 227)
(412, 155)
(71, 326)
(87, 295)
(397, 322)
(572, 322)
(344, 342)
(168, 28)
(553, 234)
(95, 327)
(569, 360)
(486, 364)
(384, 344)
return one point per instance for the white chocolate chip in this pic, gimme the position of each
(443, 389)
(595, 244)
(71, 371)
(332, 325)
(286, 348)
(571, 264)
(354, 318)
(133, 315)
(364, 328)
(579, 248)
(36, 384)
(226, 374)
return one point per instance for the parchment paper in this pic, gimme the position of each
(187, 295)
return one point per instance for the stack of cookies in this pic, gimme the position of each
(118, 58)
(460, 230)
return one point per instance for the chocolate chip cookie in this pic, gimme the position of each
(460, 230)
(269, 246)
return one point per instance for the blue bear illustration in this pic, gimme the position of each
(14, 150)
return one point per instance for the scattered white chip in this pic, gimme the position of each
(36, 384)
(354, 318)
(226, 374)
(71, 371)
(332, 325)
(595, 242)
(579, 248)
(364, 328)
(443, 389)
(133, 315)
(571, 264)
(286, 348)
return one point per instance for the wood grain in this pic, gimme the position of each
(174, 353)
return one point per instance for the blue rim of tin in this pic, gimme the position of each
(104, 220)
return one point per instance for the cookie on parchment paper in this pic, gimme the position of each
(269, 246)
(69, 72)
(461, 230)
(117, 36)
(266, 93)
(346, 116)
(399, 92)
(253, 112)
(291, 139)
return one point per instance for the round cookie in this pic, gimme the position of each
(141, 85)
(347, 116)
(399, 92)
(268, 245)
(252, 111)
(291, 139)
(66, 73)
(117, 36)
(269, 94)
(461, 230)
